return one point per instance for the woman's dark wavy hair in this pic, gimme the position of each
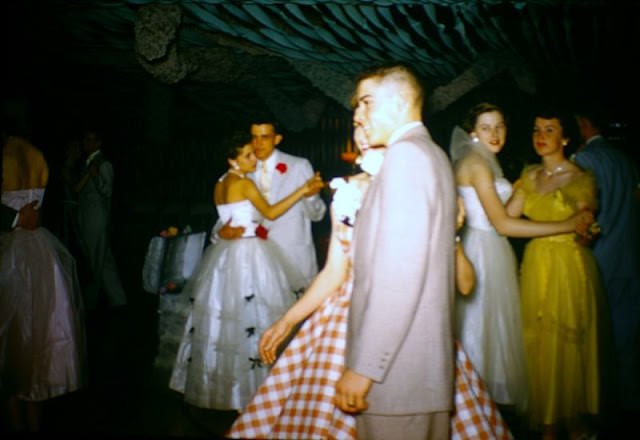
(232, 144)
(470, 119)
(567, 121)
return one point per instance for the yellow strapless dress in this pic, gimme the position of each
(560, 295)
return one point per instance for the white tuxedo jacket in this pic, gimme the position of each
(292, 230)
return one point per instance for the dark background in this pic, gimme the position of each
(73, 64)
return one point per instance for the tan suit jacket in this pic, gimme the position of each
(400, 318)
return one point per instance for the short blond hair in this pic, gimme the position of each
(399, 73)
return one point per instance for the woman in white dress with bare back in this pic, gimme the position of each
(42, 334)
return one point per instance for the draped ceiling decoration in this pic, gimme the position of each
(298, 55)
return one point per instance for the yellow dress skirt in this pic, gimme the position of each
(561, 296)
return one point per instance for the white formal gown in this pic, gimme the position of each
(239, 289)
(42, 335)
(488, 322)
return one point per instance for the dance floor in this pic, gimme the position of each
(128, 398)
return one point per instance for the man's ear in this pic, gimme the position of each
(400, 105)
(277, 139)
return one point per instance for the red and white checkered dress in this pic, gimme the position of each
(476, 415)
(296, 399)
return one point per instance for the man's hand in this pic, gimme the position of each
(314, 185)
(586, 227)
(351, 391)
(228, 232)
(583, 220)
(29, 216)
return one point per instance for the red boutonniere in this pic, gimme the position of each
(262, 232)
(282, 167)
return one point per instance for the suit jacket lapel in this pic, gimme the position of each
(277, 177)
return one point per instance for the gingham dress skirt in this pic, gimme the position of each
(296, 399)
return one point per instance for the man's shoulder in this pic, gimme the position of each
(291, 158)
(599, 150)
(101, 159)
(421, 142)
(293, 162)
(420, 137)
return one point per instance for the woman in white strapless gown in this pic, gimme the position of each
(488, 322)
(42, 339)
(239, 289)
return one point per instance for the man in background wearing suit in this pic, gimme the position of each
(94, 210)
(399, 372)
(616, 252)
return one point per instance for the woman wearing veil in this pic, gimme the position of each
(488, 320)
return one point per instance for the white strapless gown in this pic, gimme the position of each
(239, 289)
(488, 322)
(42, 335)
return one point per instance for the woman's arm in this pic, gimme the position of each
(515, 205)
(271, 212)
(325, 284)
(465, 275)
(482, 180)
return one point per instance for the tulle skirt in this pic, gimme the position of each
(42, 338)
(562, 299)
(488, 322)
(240, 288)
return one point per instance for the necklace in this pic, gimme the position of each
(554, 170)
(237, 173)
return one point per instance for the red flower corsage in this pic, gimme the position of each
(282, 167)
(262, 232)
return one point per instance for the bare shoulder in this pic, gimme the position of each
(470, 168)
(531, 172)
(234, 188)
(24, 165)
(218, 193)
(574, 172)
(474, 161)
(575, 168)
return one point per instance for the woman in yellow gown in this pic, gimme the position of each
(560, 286)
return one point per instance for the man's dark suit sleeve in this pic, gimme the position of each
(7, 216)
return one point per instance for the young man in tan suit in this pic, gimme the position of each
(399, 373)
